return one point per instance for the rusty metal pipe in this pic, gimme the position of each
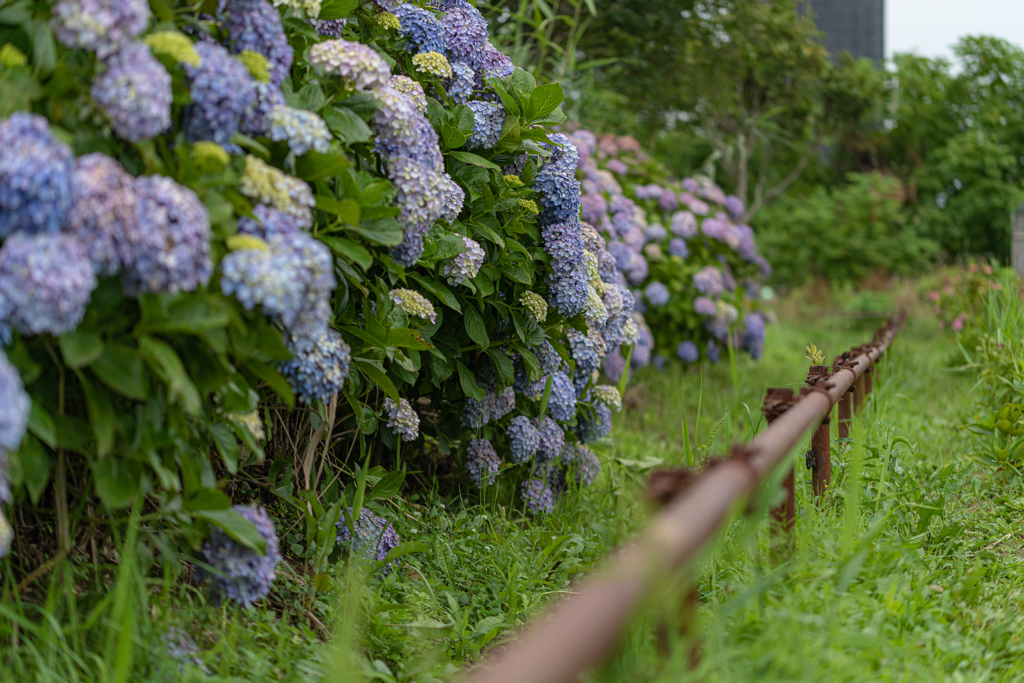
(578, 633)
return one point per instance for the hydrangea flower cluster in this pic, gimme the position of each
(538, 496)
(239, 573)
(414, 304)
(320, 365)
(222, 90)
(535, 305)
(104, 216)
(488, 120)
(100, 26)
(607, 395)
(255, 25)
(374, 537)
(14, 409)
(270, 186)
(464, 266)
(402, 418)
(414, 90)
(302, 130)
(524, 438)
(482, 462)
(36, 175)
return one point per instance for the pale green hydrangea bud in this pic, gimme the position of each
(433, 63)
(239, 242)
(209, 157)
(11, 56)
(309, 8)
(257, 64)
(529, 206)
(251, 421)
(594, 310)
(513, 181)
(608, 395)
(414, 304)
(388, 21)
(173, 45)
(535, 306)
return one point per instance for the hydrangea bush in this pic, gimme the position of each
(358, 216)
(692, 269)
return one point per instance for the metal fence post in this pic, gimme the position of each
(819, 458)
(776, 402)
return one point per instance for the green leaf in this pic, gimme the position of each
(313, 96)
(404, 549)
(274, 380)
(101, 415)
(407, 338)
(236, 526)
(121, 369)
(317, 166)
(346, 209)
(523, 83)
(42, 425)
(452, 136)
(503, 365)
(506, 99)
(475, 328)
(347, 125)
(475, 160)
(35, 464)
(383, 231)
(337, 9)
(44, 50)
(80, 348)
(115, 484)
(376, 374)
(468, 382)
(439, 290)
(227, 445)
(390, 485)
(163, 360)
(544, 100)
(349, 250)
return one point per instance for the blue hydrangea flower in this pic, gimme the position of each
(753, 335)
(734, 205)
(462, 83)
(683, 224)
(222, 90)
(538, 496)
(46, 281)
(614, 365)
(596, 427)
(454, 199)
(586, 465)
(552, 438)
(714, 351)
(357, 64)
(564, 156)
(255, 25)
(709, 281)
(271, 186)
(524, 438)
(254, 119)
(402, 418)
(482, 462)
(303, 130)
(494, 63)
(559, 194)
(587, 350)
(569, 292)
(375, 536)
(668, 201)
(237, 572)
(419, 192)
(36, 172)
(677, 247)
(320, 366)
(422, 31)
(704, 306)
(100, 26)
(657, 294)
(14, 408)
(267, 222)
(488, 120)
(173, 252)
(562, 401)
(464, 266)
(181, 647)
(688, 352)
(330, 27)
(549, 359)
(105, 215)
(564, 245)
(414, 89)
(465, 31)
(135, 93)
(655, 232)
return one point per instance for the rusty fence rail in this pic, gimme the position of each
(580, 632)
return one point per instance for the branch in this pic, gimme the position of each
(783, 185)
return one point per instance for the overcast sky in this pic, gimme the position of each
(930, 27)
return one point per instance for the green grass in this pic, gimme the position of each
(910, 570)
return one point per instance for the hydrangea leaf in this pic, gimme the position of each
(389, 486)
(468, 382)
(476, 160)
(375, 373)
(407, 338)
(80, 348)
(384, 231)
(120, 368)
(475, 328)
(115, 482)
(101, 415)
(347, 249)
(347, 210)
(236, 526)
(337, 9)
(544, 100)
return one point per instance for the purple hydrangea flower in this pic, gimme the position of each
(657, 293)
(564, 245)
(255, 25)
(617, 166)
(488, 120)
(402, 131)
(466, 265)
(356, 63)
(254, 119)
(104, 216)
(465, 31)
(181, 647)
(684, 224)
(734, 205)
(638, 269)
(564, 156)
(237, 572)
(268, 222)
(562, 401)
(593, 207)
(100, 26)
(668, 201)
(222, 90)
(14, 408)
(691, 185)
(494, 63)
(695, 205)
(587, 351)
(36, 172)
(677, 247)
(330, 27)
(688, 352)
(586, 465)
(524, 438)
(552, 438)
(375, 536)
(420, 198)
(454, 199)
(422, 31)
(568, 292)
(716, 228)
(46, 281)
(655, 232)
(652, 191)
(538, 496)
(402, 418)
(320, 366)
(462, 83)
(753, 335)
(614, 365)
(559, 195)
(709, 281)
(597, 427)
(303, 130)
(714, 351)
(173, 252)
(482, 462)
(704, 306)
(135, 93)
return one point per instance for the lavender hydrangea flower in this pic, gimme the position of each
(237, 572)
(668, 201)
(375, 536)
(709, 281)
(753, 335)
(402, 418)
(655, 232)
(46, 281)
(422, 31)
(36, 172)
(414, 304)
(482, 462)
(454, 199)
(267, 222)
(402, 131)
(320, 366)
(583, 460)
(181, 647)
(552, 438)
(488, 121)
(677, 247)
(684, 224)
(596, 427)
(100, 26)
(413, 89)
(645, 192)
(734, 205)
(569, 292)
(714, 351)
(358, 64)
(255, 118)
(465, 31)
(255, 25)
(538, 496)
(593, 207)
(564, 245)
(716, 228)
(657, 294)
(104, 216)
(466, 265)
(266, 184)
(614, 365)
(562, 401)
(14, 408)
(704, 306)
(173, 252)
(462, 83)
(303, 130)
(524, 438)
(222, 90)
(587, 351)
(494, 62)
(617, 166)
(419, 193)
(688, 352)
(559, 195)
